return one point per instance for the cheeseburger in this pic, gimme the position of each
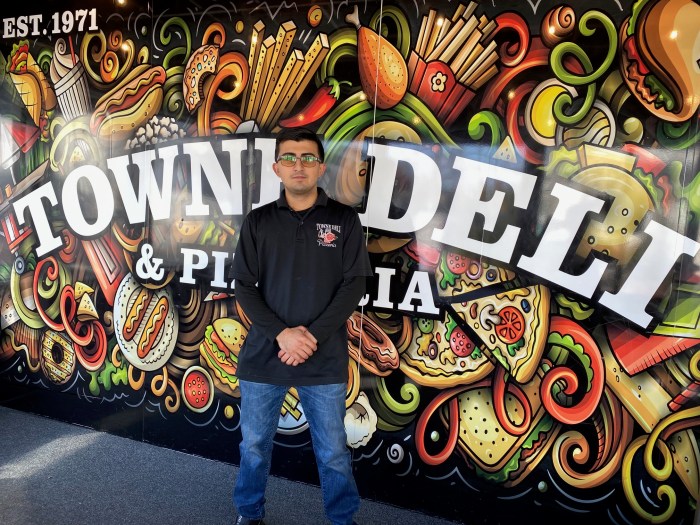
(219, 353)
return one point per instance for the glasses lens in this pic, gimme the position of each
(287, 160)
(308, 161)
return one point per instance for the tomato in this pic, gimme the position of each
(457, 263)
(460, 344)
(512, 325)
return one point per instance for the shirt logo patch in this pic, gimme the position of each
(327, 234)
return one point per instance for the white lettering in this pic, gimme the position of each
(419, 288)
(555, 243)
(190, 264)
(72, 209)
(219, 267)
(8, 27)
(22, 27)
(34, 21)
(384, 287)
(37, 212)
(159, 201)
(425, 197)
(270, 184)
(203, 160)
(467, 203)
(649, 273)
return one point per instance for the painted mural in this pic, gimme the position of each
(527, 176)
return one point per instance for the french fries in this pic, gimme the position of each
(463, 42)
(290, 404)
(278, 73)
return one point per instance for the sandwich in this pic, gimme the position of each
(498, 454)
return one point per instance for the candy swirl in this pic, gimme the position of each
(557, 25)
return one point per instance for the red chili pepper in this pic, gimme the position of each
(319, 105)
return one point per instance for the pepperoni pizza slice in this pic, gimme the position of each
(441, 355)
(501, 316)
(512, 326)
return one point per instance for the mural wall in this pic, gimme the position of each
(527, 176)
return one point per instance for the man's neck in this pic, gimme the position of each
(301, 202)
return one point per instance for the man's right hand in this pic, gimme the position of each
(296, 345)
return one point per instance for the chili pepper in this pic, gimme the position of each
(319, 105)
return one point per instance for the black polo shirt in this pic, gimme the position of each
(303, 264)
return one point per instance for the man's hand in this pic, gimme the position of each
(296, 345)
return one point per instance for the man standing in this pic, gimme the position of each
(300, 269)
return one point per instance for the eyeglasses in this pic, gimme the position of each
(289, 160)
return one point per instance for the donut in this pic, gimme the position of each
(57, 357)
(201, 63)
(379, 355)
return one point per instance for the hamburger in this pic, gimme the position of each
(656, 57)
(498, 454)
(219, 353)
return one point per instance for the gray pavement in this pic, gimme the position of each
(55, 473)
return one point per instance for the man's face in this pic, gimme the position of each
(299, 180)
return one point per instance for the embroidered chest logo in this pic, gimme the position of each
(327, 234)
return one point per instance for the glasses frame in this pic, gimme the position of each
(307, 160)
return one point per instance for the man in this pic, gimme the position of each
(300, 269)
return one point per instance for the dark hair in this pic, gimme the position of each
(297, 135)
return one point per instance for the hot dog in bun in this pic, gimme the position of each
(145, 324)
(130, 105)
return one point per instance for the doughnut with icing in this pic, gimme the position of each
(57, 357)
(202, 63)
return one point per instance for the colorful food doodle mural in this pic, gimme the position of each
(527, 176)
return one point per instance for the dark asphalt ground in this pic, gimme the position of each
(55, 473)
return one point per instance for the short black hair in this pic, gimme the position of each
(297, 135)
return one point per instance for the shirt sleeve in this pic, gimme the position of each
(257, 310)
(245, 271)
(340, 308)
(245, 260)
(355, 257)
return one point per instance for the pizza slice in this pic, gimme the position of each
(457, 274)
(441, 355)
(511, 325)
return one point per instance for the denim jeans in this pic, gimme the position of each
(324, 408)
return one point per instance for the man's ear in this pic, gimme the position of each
(323, 169)
(274, 168)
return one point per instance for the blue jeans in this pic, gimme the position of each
(324, 408)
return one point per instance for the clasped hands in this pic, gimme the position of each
(296, 345)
